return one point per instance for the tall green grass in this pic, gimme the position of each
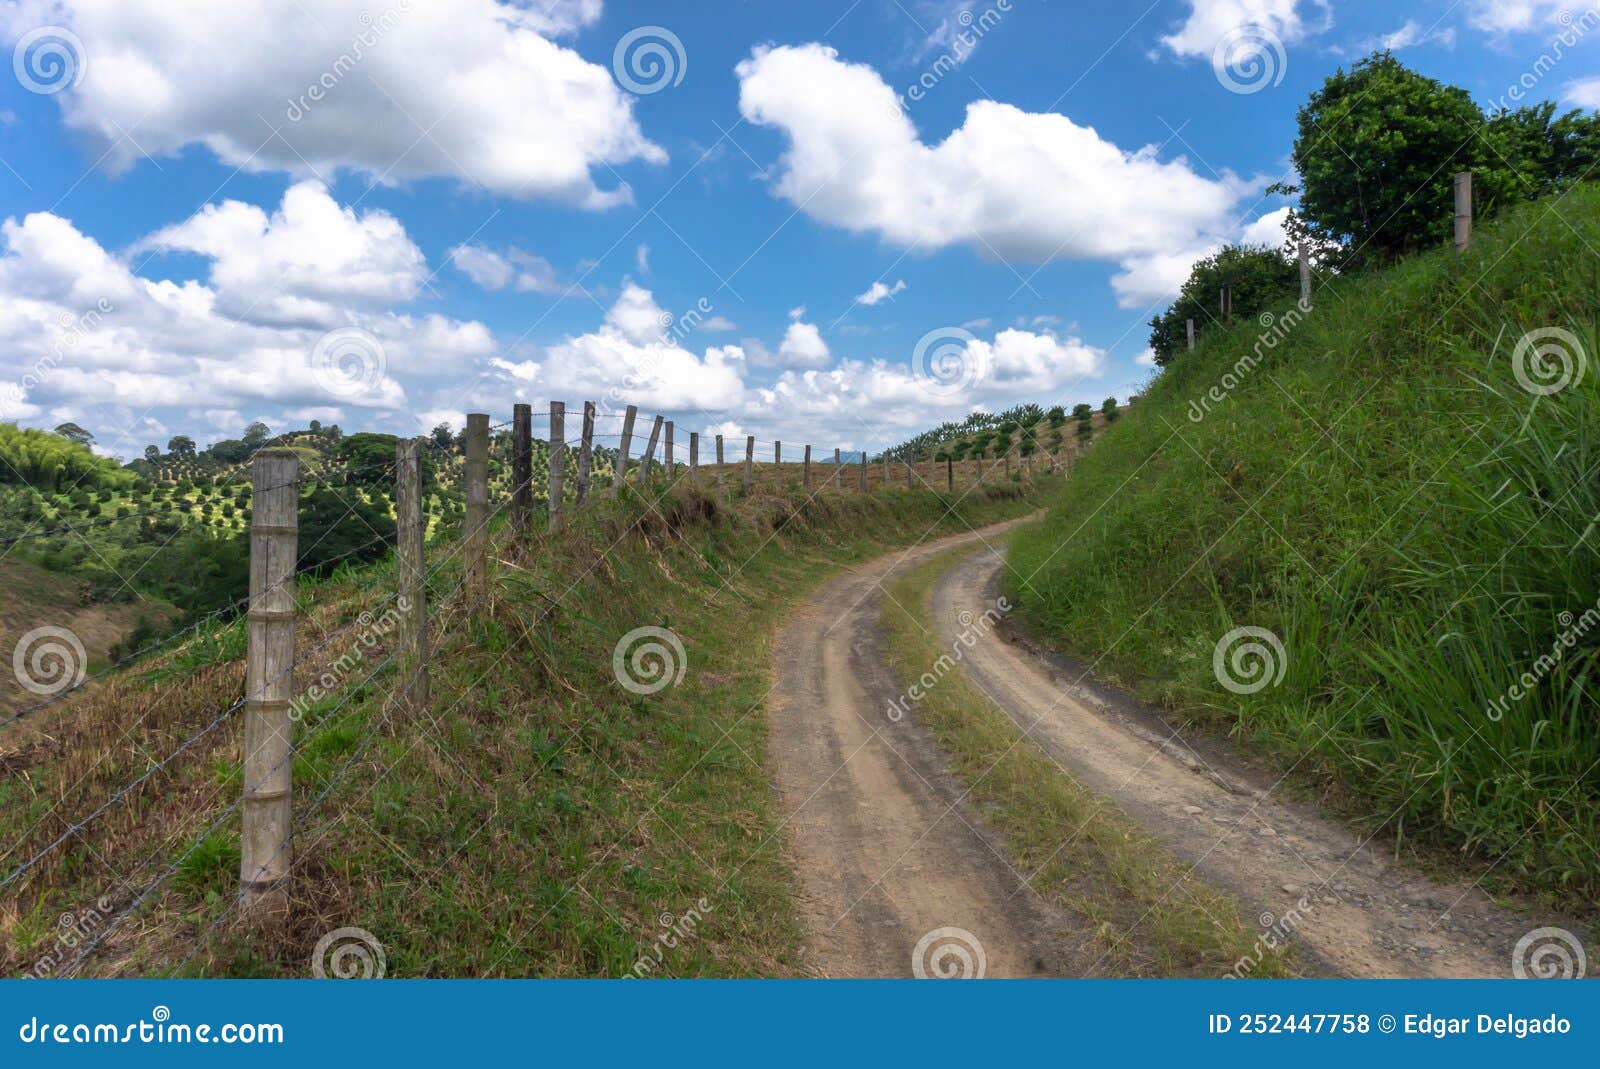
(1418, 529)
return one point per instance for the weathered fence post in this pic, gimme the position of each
(1463, 184)
(886, 469)
(410, 535)
(777, 465)
(949, 472)
(521, 468)
(694, 458)
(1305, 276)
(863, 471)
(264, 860)
(1190, 327)
(749, 462)
(1227, 304)
(621, 473)
(586, 453)
(650, 451)
(805, 472)
(838, 469)
(667, 454)
(558, 461)
(719, 465)
(911, 468)
(475, 536)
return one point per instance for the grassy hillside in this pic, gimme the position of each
(1375, 487)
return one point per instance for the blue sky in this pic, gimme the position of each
(483, 202)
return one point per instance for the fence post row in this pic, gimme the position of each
(476, 535)
(410, 571)
(586, 452)
(264, 859)
(521, 467)
(558, 460)
(666, 452)
(628, 417)
(749, 461)
(650, 451)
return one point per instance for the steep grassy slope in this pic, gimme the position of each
(1377, 487)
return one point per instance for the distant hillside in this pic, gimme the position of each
(1400, 491)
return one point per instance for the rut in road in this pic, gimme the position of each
(887, 851)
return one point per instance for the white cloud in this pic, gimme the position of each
(470, 90)
(1583, 93)
(719, 325)
(492, 270)
(1409, 34)
(1512, 16)
(1267, 230)
(1146, 357)
(1006, 182)
(797, 312)
(878, 292)
(802, 346)
(1209, 21)
(641, 257)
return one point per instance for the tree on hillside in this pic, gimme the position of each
(152, 453)
(1259, 278)
(180, 445)
(230, 451)
(1109, 409)
(74, 433)
(256, 433)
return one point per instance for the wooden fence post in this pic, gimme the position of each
(949, 472)
(749, 461)
(863, 471)
(667, 454)
(886, 469)
(586, 453)
(1305, 276)
(558, 461)
(694, 458)
(1190, 327)
(521, 468)
(475, 536)
(837, 478)
(777, 466)
(650, 451)
(911, 467)
(410, 570)
(805, 472)
(622, 450)
(719, 465)
(1463, 186)
(1227, 304)
(264, 858)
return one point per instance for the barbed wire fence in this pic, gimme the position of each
(270, 708)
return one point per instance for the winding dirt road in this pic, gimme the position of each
(889, 855)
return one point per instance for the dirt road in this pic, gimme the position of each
(887, 852)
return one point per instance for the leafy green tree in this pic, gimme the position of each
(180, 445)
(256, 434)
(1259, 278)
(152, 453)
(1083, 413)
(230, 451)
(1109, 409)
(74, 433)
(341, 525)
